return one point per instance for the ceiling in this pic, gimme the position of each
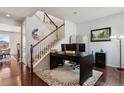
(17, 13)
(83, 13)
(74, 14)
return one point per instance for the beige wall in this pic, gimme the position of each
(14, 39)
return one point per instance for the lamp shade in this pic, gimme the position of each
(121, 37)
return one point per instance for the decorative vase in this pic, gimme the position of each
(101, 50)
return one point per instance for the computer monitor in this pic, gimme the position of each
(81, 47)
(63, 47)
(69, 47)
(73, 47)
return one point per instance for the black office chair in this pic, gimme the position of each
(70, 47)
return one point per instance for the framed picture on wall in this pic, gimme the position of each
(103, 34)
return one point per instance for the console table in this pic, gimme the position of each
(86, 67)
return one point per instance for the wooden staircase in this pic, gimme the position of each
(43, 47)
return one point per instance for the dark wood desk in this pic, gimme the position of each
(86, 67)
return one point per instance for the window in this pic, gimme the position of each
(4, 41)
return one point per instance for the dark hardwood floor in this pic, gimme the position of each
(111, 77)
(16, 74)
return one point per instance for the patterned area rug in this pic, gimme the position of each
(65, 76)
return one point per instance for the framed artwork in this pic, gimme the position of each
(37, 34)
(103, 34)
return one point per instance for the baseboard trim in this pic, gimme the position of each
(115, 66)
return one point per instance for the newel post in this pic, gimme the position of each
(31, 51)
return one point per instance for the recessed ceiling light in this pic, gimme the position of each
(7, 15)
(75, 12)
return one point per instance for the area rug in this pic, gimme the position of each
(65, 76)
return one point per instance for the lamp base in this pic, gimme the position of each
(120, 69)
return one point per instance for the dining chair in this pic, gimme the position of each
(1, 54)
(7, 52)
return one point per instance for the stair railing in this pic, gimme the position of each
(39, 49)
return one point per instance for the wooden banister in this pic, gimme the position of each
(31, 51)
(47, 36)
(51, 20)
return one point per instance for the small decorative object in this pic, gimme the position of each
(53, 50)
(92, 51)
(70, 52)
(102, 34)
(101, 50)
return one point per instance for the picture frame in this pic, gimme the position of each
(102, 34)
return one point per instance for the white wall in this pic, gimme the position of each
(14, 39)
(116, 22)
(28, 39)
(24, 41)
(70, 29)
